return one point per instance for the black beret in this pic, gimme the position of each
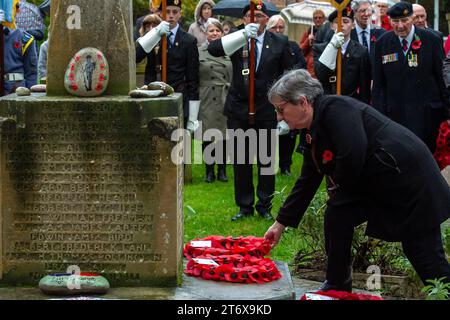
(261, 6)
(346, 13)
(400, 10)
(176, 3)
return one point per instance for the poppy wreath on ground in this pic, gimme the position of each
(340, 295)
(442, 153)
(239, 260)
(220, 245)
(235, 268)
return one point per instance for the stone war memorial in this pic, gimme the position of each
(88, 181)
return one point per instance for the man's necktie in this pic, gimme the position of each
(169, 40)
(364, 39)
(404, 45)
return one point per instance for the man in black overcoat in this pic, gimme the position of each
(273, 58)
(408, 85)
(377, 171)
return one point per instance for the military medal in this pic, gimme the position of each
(308, 138)
(412, 60)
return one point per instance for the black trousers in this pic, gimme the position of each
(244, 191)
(286, 149)
(425, 253)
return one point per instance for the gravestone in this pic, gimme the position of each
(103, 24)
(89, 184)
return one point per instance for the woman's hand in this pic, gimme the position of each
(273, 234)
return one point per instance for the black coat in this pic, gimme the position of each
(356, 73)
(374, 161)
(412, 96)
(298, 59)
(276, 58)
(182, 66)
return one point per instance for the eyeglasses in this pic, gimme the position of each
(277, 28)
(278, 107)
(257, 15)
(363, 11)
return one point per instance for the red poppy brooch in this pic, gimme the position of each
(417, 43)
(327, 156)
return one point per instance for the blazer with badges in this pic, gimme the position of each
(372, 161)
(356, 72)
(276, 58)
(410, 89)
(182, 66)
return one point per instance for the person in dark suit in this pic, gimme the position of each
(365, 32)
(408, 84)
(273, 57)
(420, 21)
(356, 69)
(377, 170)
(287, 138)
(182, 60)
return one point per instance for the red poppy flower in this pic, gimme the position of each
(71, 77)
(72, 67)
(16, 45)
(373, 38)
(99, 56)
(74, 87)
(210, 274)
(327, 156)
(99, 87)
(77, 58)
(102, 66)
(416, 44)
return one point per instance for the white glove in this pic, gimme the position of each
(194, 108)
(251, 30)
(151, 38)
(163, 28)
(338, 40)
(282, 128)
(328, 56)
(2, 16)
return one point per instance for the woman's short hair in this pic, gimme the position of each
(296, 84)
(318, 11)
(215, 22)
(153, 19)
(273, 20)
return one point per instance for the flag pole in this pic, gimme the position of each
(339, 58)
(164, 46)
(339, 5)
(251, 89)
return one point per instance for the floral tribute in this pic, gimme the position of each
(239, 260)
(338, 295)
(442, 153)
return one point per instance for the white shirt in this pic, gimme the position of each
(344, 46)
(259, 41)
(408, 38)
(174, 31)
(359, 31)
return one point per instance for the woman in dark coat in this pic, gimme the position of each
(377, 171)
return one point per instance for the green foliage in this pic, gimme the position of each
(437, 290)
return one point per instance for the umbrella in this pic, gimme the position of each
(234, 8)
(29, 17)
(45, 8)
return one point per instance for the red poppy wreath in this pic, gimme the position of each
(239, 260)
(442, 153)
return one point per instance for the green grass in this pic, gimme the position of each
(209, 208)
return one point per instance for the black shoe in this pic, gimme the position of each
(266, 215)
(209, 178)
(222, 173)
(346, 286)
(241, 215)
